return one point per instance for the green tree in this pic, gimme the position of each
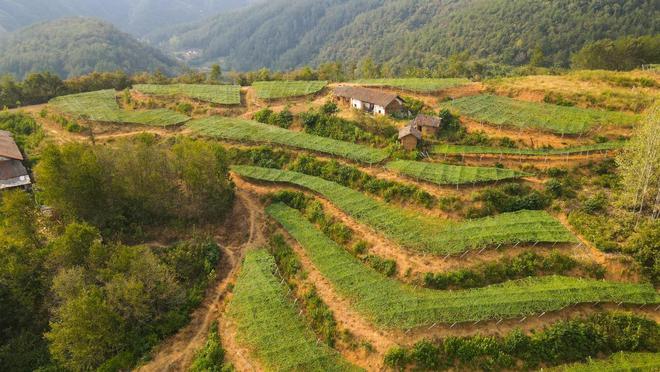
(538, 58)
(216, 73)
(85, 332)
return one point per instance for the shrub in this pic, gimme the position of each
(329, 108)
(383, 266)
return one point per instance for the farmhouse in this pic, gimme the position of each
(12, 171)
(370, 100)
(428, 125)
(409, 136)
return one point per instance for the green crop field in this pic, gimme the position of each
(578, 150)
(221, 94)
(246, 130)
(505, 111)
(424, 234)
(444, 174)
(102, 106)
(619, 362)
(286, 89)
(389, 303)
(269, 325)
(418, 85)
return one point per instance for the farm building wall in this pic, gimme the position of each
(356, 103)
(380, 110)
(409, 142)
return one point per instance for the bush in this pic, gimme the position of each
(284, 119)
(211, 357)
(563, 342)
(329, 108)
(383, 266)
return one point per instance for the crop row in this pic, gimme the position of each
(420, 233)
(269, 325)
(389, 303)
(618, 362)
(557, 119)
(252, 131)
(445, 174)
(419, 85)
(102, 106)
(286, 89)
(221, 94)
(577, 150)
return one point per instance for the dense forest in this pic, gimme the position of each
(135, 16)
(287, 34)
(76, 46)
(78, 289)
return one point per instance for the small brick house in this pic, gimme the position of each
(409, 136)
(428, 125)
(370, 100)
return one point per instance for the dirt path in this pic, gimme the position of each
(176, 353)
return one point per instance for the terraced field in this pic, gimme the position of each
(287, 89)
(578, 150)
(445, 174)
(220, 94)
(417, 85)
(102, 106)
(505, 111)
(619, 362)
(392, 304)
(236, 129)
(268, 323)
(419, 233)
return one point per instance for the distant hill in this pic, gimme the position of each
(76, 46)
(138, 17)
(283, 34)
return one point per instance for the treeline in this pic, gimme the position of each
(621, 54)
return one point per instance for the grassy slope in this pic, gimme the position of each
(392, 304)
(221, 94)
(444, 174)
(252, 131)
(102, 106)
(419, 233)
(269, 324)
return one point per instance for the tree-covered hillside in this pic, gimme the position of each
(75, 46)
(290, 33)
(136, 16)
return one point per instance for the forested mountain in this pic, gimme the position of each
(136, 16)
(76, 46)
(289, 33)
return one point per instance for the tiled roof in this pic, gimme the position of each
(374, 96)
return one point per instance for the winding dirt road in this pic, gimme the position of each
(244, 230)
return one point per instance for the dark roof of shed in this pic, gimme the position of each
(10, 169)
(427, 121)
(374, 96)
(409, 130)
(8, 147)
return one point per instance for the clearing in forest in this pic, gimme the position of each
(389, 303)
(102, 106)
(506, 111)
(424, 234)
(220, 94)
(269, 324)
(417, 85)
(445, 174)
(242, 130)
(449, 149)
(287, 89)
